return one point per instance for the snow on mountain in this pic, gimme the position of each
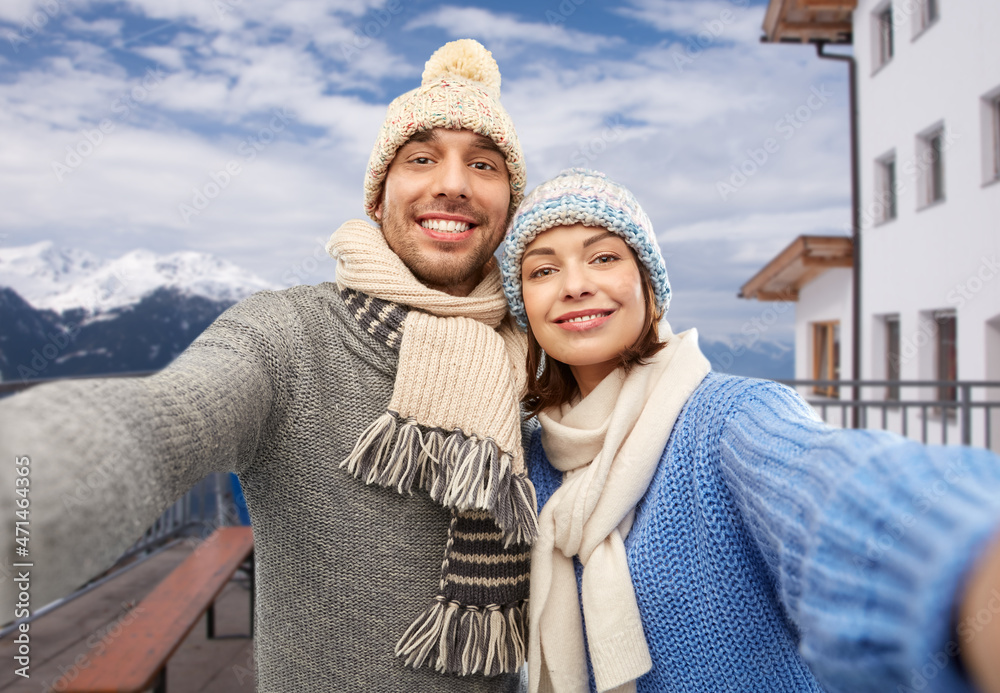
(62, 279)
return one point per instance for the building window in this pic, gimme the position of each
(991, 136)
(930, 153)
(927, 15)
(882, 33)
(885, 188)
(892, 356)
(946, 356)
(826, 356)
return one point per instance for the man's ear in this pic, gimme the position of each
(378, 211)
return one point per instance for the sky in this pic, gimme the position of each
(243, 129)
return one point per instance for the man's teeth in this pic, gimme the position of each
(584, 318)
(446, 226)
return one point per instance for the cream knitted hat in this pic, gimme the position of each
(581, 196)
(460, 90)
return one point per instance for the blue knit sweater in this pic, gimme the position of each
(774, 553)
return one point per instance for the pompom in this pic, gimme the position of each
(465, 59)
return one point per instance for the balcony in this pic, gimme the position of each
(930, 411)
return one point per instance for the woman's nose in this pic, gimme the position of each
(576, 282)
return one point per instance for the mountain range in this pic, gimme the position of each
(65, 312)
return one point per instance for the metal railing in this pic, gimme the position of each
(931, 411)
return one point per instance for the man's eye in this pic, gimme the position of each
(420, 160)
(483, 166)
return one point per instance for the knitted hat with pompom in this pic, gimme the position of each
(581, 196)
(460, 90)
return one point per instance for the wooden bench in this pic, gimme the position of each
(137, 659)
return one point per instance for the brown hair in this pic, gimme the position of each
(551, 382)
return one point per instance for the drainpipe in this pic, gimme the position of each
(855, 229)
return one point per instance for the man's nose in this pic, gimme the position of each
(452, 179)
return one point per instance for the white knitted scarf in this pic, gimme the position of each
(607, 445)
(453, 429)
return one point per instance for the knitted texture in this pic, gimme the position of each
(607, 445)
(581, 196)
(452, 428)
(459, 90)
(773, 553)
(278, 389)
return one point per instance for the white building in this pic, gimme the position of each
(928, 175)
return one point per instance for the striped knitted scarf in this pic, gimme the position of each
(452, 429)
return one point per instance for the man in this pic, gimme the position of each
(373, 425)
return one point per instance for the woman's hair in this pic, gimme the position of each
(551, 383)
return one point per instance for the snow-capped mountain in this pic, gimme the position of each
(61, 279)
(65, 312)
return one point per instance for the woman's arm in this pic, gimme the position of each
(871, 538)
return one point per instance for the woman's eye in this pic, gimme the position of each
(605, 259)
(541, 272)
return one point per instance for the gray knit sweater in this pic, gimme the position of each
(278, 389)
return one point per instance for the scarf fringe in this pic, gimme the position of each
(458, 471)
(465, 640)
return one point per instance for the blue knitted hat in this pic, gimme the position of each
(581, 196)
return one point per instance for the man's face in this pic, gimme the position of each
(444, 208)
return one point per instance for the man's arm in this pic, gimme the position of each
(107, 457)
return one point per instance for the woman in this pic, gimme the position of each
(704, 532)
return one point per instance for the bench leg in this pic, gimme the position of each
(161, 681)
(210, 621)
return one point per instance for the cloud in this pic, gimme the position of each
(579, 92)
(505, 29)
(715, 21)
(100, 27)
(19, 12)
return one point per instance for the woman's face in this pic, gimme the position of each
(583, 297)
